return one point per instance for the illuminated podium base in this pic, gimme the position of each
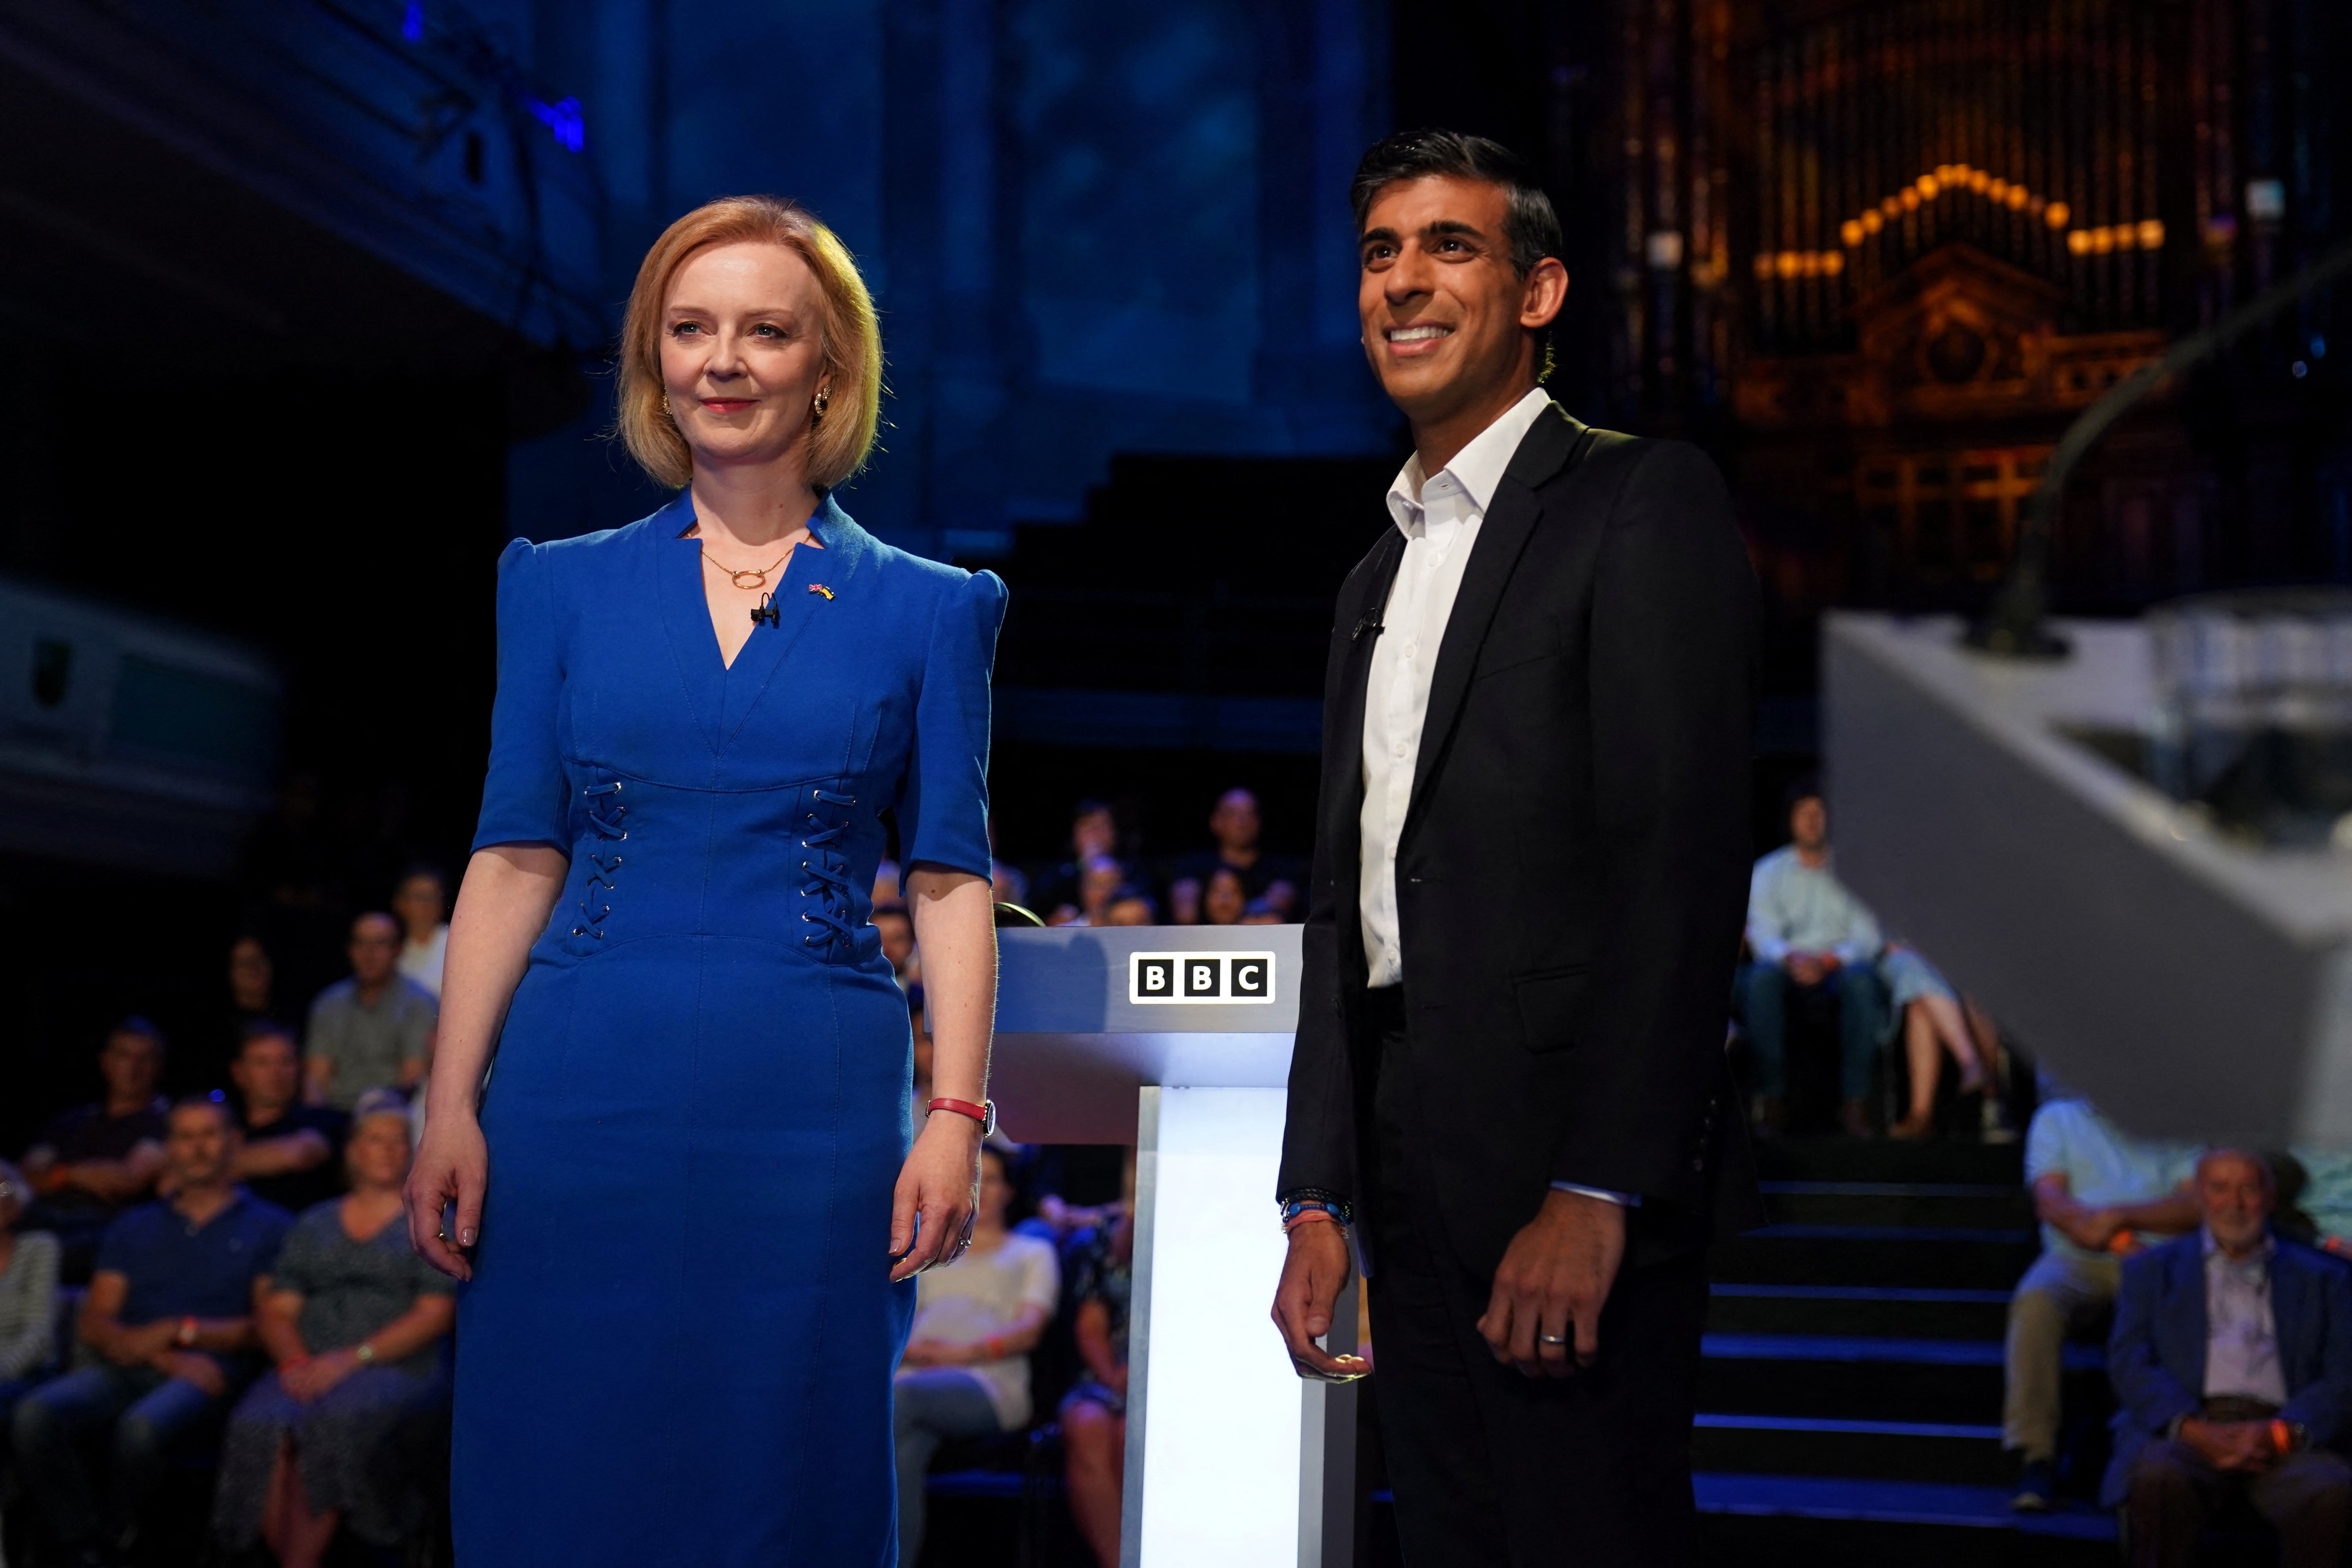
(1232, 1459)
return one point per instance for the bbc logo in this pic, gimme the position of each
(1197, 977)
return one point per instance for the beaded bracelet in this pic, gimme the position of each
(1309, 1211)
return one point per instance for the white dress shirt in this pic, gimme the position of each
(2242, 1354)
(1439, 517)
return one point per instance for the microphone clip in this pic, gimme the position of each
(767, 611)
(1366, 625)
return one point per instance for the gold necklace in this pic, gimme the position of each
(759, 575)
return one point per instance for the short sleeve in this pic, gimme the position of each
(943, 809)
(119, 1245)
(2045, 1143)
(295, 1267)
(1041, 1277)
(524, 797)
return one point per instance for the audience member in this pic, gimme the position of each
(374, 1030)
(919, 1024)
(1235, 825)
(1130, 906)
(252, 999)
(2326, 1200)
(1094, 836)
(966, 1371)
(1098, 883)
(422, 902)
(29, 1295)
(2232, 1360)
(886, 885)
(287, 1156)
(1932, 1020)
(355, 1322)
(94, 1160)
(2098, 1192)
(1094, 1415)
(897, 929)
(1815, 942)
(168, 1325)
(1224, 900)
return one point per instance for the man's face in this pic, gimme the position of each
(1234, 822)
(199, 1145)
(249, 974)
(420, 904)
(2235, 1194)
(1446, 318)
(375, 948)
(898, 937)
(1092, 834)
(265, 1073)
(1809, 823)
(130, 1066)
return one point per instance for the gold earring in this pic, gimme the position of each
(824, 401)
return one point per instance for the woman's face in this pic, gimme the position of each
(995, 1192)
(378, 1152)
(1225, 900)
(742, 351)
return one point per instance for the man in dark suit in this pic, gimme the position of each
(2232, 1359)
(1531, 869)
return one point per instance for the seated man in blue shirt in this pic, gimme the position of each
(2232, 1364)
(166, 1337)
(1814, 941)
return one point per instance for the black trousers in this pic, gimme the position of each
(1489, 1466)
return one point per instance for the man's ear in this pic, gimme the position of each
(1546, 291)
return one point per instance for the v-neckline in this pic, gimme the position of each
(784, 575)
(720, 694)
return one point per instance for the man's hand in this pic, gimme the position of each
(1312, 1278)
(2091, 1229)
(190, 1367)
(1803, 968)
(1555, 1279)
(141, 1345)
(2234, 1446)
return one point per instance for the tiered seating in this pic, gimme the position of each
(1851, 1392)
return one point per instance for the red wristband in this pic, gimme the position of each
(1310, 1216)
(2282, 1437)
(984, 1112)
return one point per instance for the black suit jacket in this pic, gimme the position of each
(1573, 874)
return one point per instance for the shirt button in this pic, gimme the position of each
(1400, 748)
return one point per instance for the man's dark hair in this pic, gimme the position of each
(267, 1029)
(1531, 226)
(146, 1029)
(214, 1100)
(1806, 786)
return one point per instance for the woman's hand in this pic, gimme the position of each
(312, 1376)
(453, 1166)
(939, 1187)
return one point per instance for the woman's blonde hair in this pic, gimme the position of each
(839, 439)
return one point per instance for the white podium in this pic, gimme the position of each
(1178, 1038)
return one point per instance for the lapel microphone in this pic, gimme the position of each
(767, 612)
(1366, 625)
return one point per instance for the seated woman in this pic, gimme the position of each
(1931, 1016)
(1094, 1415)
(966, 1371)
(29, 1295)
(355, 1321)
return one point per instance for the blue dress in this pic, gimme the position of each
(679, 1343)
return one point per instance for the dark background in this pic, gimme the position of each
(299, 325)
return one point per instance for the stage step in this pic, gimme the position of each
(1948, 1256)
(1911, 1311)
(1766, 1444)
(1810, 1522)
(1862, 1375)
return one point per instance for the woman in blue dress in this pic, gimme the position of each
(687, 1199)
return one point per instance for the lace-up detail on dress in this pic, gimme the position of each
(825, 875)
(605, 814)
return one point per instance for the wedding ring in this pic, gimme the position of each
(1552, 1339)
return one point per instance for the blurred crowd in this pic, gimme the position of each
(220, 1283)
